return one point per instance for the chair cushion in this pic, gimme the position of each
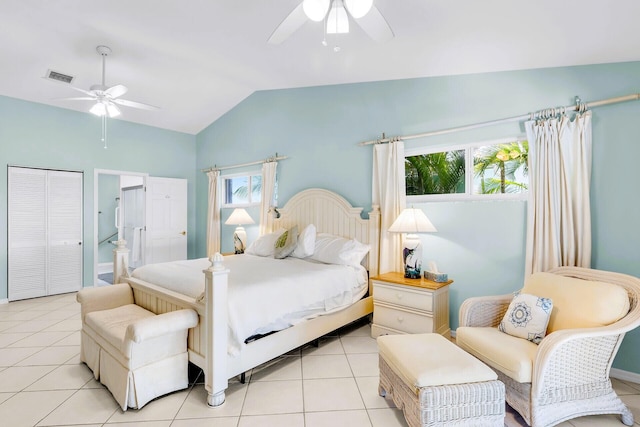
(423, 360)
(112, 324)
(527, 317)
(510, 355)
(578, 303)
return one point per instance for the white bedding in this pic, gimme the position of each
(265, 294)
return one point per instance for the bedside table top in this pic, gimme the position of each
(398, 278)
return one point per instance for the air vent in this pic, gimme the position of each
(59, 77)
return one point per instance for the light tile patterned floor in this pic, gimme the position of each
(43, 383)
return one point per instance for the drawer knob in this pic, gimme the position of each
(399, 296)
(400, 319)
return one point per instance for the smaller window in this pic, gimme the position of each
(242, 190)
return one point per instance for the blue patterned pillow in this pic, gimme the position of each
(527, 317)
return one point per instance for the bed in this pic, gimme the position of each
(209, 343)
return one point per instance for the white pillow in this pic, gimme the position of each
(332, 249)
(306, 242)
(265, 245)
(527, 317)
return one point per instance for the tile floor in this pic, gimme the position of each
(43, 383)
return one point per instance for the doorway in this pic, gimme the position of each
(119, 213)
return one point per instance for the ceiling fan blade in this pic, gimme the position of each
(79, 98)
(116, 91)
(290, 25)
(86, 92)
(134, 104)
(374, 24)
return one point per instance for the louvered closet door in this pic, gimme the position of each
(64, 193)
(44, 232)
(27, 221)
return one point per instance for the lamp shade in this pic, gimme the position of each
(316, 10)
(337, 21)
(412, 221)
(358, 8)
(239, 216)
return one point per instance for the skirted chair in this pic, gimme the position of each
(564, 374)
(136, 354)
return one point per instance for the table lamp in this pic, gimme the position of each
(412, 221)
(239, 217)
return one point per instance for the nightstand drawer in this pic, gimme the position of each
(403, 296)
(402, 320)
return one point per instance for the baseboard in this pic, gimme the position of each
(4, 301)
(624, 375)
(105, 267)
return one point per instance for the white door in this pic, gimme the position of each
(64, 197)
(44, 233)
(166, 234)
(27, 233)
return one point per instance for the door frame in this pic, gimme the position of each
(96, 174)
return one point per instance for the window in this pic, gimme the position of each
(242, 190)
(495, 169)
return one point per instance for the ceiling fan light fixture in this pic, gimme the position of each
(337, 21)
(358, 8)
(99, 109)
(113, 110)
(316, 10)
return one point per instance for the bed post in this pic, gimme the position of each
(215, 375)
(374, 240)
(120, 261)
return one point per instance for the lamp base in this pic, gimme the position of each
(412, 256)
(239, 240)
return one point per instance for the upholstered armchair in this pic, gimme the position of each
(136, 354)
(566, 375)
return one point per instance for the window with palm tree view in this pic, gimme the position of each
(496, 168)
(242, 190)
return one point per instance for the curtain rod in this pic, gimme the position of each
(530, 116)
(257, 162)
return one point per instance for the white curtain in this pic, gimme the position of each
(559, 215)
(213, 214)
(389, 193)
(268, 192)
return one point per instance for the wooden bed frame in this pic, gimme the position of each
(207, 342)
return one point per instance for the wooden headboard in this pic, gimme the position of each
(333, 214)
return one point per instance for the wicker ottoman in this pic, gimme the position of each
(436, 383)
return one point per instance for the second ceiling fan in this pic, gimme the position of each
(336, 14)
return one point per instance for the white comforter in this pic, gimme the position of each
(265, 294)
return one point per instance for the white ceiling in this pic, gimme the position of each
(197, 59)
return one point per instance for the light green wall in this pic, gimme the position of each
(37, 135)
(480, 244)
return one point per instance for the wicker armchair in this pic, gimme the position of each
(570, 372)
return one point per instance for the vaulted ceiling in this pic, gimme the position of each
(197, 59)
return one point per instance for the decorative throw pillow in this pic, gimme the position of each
(265, 244)
(306, 242)
(286, 243)
(527, 317)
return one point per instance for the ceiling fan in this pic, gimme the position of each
(107, 97)
(336, 14)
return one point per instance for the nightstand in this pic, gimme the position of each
(409, 306)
